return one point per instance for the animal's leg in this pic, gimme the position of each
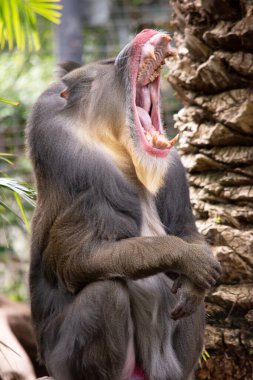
(95, 339)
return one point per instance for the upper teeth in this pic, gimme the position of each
(152, 77)
(153, 55)
(155, 74)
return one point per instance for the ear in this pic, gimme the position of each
(65, 93)
(65, 68)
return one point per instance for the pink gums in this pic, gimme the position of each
(136, 49)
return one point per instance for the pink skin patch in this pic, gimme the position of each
(148, 51)
(131, 371)
(138, 374)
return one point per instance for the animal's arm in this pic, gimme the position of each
(79, 259)
(174, 207)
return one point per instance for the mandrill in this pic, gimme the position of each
(118, 270)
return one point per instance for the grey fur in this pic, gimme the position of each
(96, 284)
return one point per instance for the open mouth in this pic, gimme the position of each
(151, 48)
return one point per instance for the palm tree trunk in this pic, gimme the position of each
(214, 77)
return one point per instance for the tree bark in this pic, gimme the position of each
(214, 77)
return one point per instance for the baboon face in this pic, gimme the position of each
(143, 59)
(120, 98)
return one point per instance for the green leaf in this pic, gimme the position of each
(12, 102)
(4, 155)
(2, 39)
(4, 205)
(218, 220)
(204, 356)
(25, 192)
(19, 203)
(8, 22)
(6, 160)
(46, 1)
(31, 25)
(18, 23)
(43, 6)
(51, 15)
(19, 191)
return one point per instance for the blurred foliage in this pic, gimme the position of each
(24, 74)
(18, 22)
(137, 2)
(13, 212)
(29, 75)
(19, 191)
(16, 288)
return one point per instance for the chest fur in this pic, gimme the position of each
(151, 223)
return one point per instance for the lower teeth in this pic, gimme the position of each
(158, 140)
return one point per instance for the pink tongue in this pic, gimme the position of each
(144, 118)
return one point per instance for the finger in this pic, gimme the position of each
(176, 285)
(177, 313)
(208, 279)
(218, 268)
(182, 311)
(190, 307)
(217, 274)
(211, 281)
(202, 283)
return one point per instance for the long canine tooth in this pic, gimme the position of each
(159, 141)
(154, 138)
(174, 140)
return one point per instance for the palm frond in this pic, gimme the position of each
(21, 208)
(6, 160)
(3, 157)
(22, 190)
(12, 102)
(19, 191)
(18, 21)
(6, 207)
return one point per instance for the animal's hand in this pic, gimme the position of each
(190, 297)
(200, 267)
